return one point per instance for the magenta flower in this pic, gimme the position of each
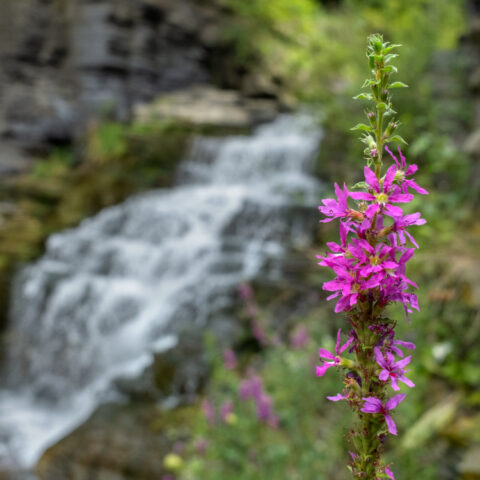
(245, 291)
(392, 370)
(374, 405)
(251, 387)
(299, 338)
(334, 360)
(395, 349)
(383, 195)
(401, 223)
(209, 411)
(403, 172)
(201, 446)
(264, 407)
(389, 473)
(229, 359)
(336, 208)
(225, 410)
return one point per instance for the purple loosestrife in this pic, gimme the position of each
(369, 264)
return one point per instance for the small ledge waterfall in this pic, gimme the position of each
(112, 291)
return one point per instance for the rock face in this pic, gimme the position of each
(120, 442)
(64, 61)
(208, 106)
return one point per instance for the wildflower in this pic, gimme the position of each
(229, 359)
(209, 411)
(336, 208)
(384, 195)
(392, 370)
(264, 407)
(403, 171)
(389, 473)
(401, 223)
(375, 405)
(299, 339)
(225, 410)
(408, 345)
(334, 360)
(245, 291)
(251, 387)
(201, 446)
(369, 263)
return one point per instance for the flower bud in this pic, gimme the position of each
(392, 126)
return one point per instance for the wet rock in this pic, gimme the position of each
(119, 442)
(203, 105)
(62, 63)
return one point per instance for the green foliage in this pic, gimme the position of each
(318, 51)
(310, 442)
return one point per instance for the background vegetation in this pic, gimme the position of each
(317, 53)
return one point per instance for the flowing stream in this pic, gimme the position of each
(112, 291)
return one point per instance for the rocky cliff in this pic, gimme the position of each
(64, 61)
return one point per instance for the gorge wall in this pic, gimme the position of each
(64, 61)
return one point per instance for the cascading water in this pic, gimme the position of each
(109, 293)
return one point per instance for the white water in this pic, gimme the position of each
(115, 289)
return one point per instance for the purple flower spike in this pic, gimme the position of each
(369, 264)
(375, 405)
(264, 407)
(209, 411)
(229, 359)
(392, 370)
(225, 410)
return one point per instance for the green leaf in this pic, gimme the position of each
(363, 96)
(360, 185)
(369, 82)
(391, 47)
(362, 126)
(389, 69)
(390, 56)
(398, 85)
(396, 138)
(382, 106)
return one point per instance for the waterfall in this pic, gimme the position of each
(120, 286)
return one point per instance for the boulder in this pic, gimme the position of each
(209, 106)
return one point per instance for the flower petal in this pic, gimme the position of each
(392, 428)
(325, 354)
(371, 179)
(320, 370)
(394, 401)
(362, 196)
(337, 398)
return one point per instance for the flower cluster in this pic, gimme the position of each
(375, 258)
(252, 388)
(369, 263)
